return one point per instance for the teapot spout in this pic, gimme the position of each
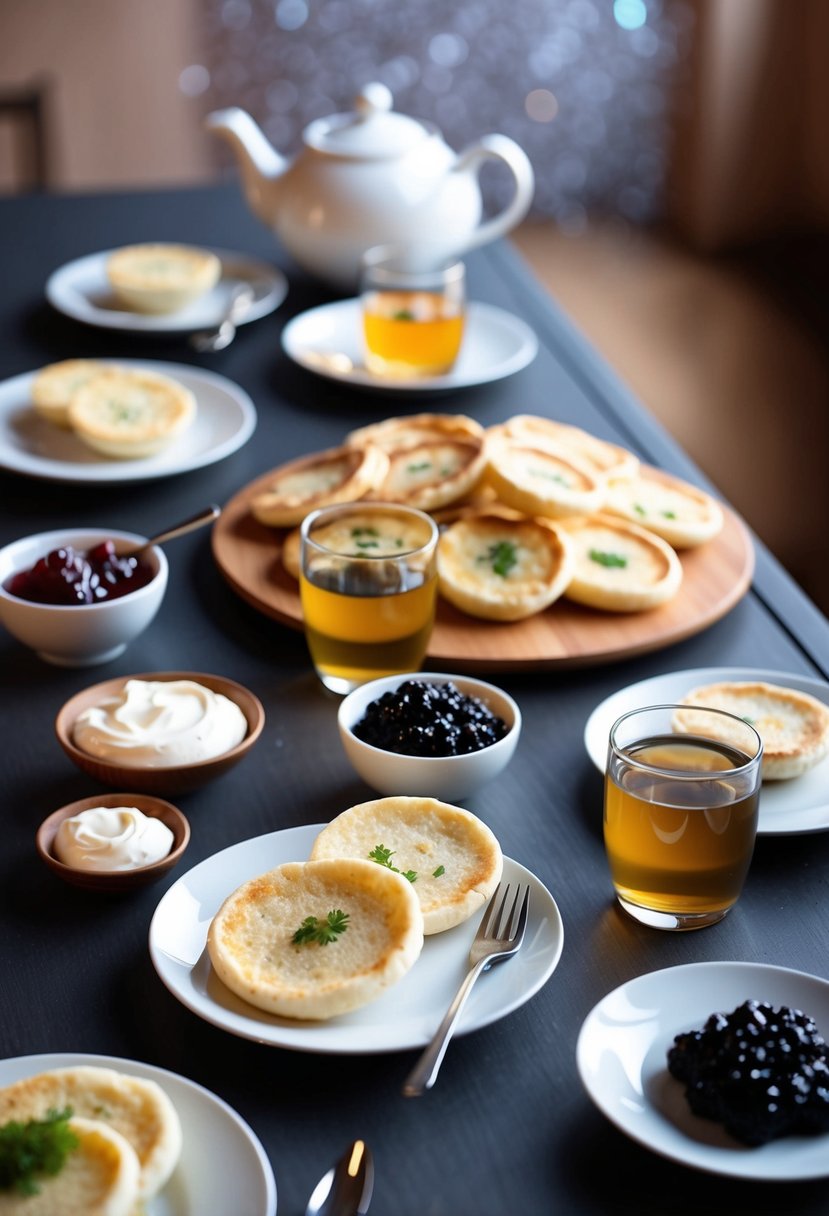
(261, 166)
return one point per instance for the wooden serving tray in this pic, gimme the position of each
(716, 577)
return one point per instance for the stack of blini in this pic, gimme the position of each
(320, 938)
(529, 510)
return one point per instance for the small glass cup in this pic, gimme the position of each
(368, 585)
(414, 310)
(682, 794)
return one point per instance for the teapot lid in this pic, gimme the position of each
(371, 130)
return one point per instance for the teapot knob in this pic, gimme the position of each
(371, 98)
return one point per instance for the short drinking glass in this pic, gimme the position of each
(368, 587)
(682, 792)
(413, 312)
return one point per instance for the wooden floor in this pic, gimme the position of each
(732, 356)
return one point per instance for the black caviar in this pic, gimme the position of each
(423, 719)
(762, 1072)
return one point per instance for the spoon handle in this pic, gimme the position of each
(188, 525)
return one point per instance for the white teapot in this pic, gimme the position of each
(371, 177)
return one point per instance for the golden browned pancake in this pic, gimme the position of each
(539, 481)
(432, 474)
(341, 474)
(794, 726)
(586, 450)
(161, 278)
(130, 414)
(54, 386)
(502, 566)
(137, 1108)
(620, 567)
(455, 857)
(680, 513)
(98, 1178)
(397, 434)
(253, 946)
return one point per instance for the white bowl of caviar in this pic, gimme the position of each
(428, 734)
(76, 596)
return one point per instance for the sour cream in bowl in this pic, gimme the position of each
(113, 842)
(163, 732)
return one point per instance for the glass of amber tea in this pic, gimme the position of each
(368, 585)
(413, 307)
(682, 793)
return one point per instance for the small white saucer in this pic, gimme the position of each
(328, 340)
(80, 290)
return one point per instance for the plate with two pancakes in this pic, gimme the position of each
(405, 1016)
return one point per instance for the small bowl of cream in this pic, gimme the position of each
(161, 733)
(113, 842)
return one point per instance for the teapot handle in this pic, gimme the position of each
(501, 148)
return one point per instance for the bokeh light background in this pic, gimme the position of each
(584, 86)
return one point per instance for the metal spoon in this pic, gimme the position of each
(347, 1187)
(209, 340)
(187, 525)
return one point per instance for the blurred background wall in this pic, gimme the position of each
(679, 147)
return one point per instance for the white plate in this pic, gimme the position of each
(787, 808)
(622, 1058)
(29, 444)
(495, 344)
(405, 1016)
(80, 290)
(223, 1166)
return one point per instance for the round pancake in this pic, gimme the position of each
(252, 948)
(503, 567)
(130, 414)
(591, 453)
(53, 387)
(678, 512)
(397, 434)
(794, 726)
(433, 474)
(161, 278)
(424, 836)
(540, 481)
(341, 474)
(620, 567)
(98, 1178)
(136, 1108)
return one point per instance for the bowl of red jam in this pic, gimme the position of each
(77, 596)
(429, 734)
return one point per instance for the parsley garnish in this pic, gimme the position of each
(639, 509)
(562, 481)
(419, 468)
(367, 544)
(503, 555)
(669, 514)
(383, 857)
(39, 1146)
(402, 315)
(321, 932)
(439, 872)
(355, 532)
(611, 560)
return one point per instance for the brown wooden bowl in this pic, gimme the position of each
(115, 880)
(178, 779)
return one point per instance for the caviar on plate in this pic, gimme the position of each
(74, 576)
(760, 1071)
(422, 719)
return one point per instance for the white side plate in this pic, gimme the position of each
(223, 1166)
(406, 1016)
(80, 290)
(622, 1059)
(787, 808)
(29, 444)
(328, 340)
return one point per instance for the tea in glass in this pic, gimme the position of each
(368, 587)
(680, 815)
(413, 313)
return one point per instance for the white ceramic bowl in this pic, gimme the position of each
(447, 778)
(78, 635)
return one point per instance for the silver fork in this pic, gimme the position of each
(499, 937)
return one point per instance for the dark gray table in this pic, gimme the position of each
(508, 1128)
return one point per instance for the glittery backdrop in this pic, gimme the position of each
(582, 85)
